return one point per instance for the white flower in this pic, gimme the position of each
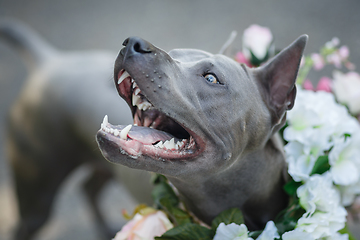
(318, 193)
(317, 113)
(316, 123)
(297, 234)
(145, 227)
(231, 231)
(333, 43)
(346, 88)
(270, 232)
(300, 161)
(258, 41)
(322, 224)
(337, 236)
(344, 159)
(348, 193)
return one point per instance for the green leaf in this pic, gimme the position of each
(255, 234)
(291, 187)
(232, 215)
(256, 61)
(287, 219)
(281, 132)
(163, 190)
(177, 215)
(321, 165)
(346, 230)
(188, 231)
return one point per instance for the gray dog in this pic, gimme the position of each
(51, 126)
(207, 123)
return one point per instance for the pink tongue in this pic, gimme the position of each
(148, 136)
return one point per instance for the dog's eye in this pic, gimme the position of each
(211, 78)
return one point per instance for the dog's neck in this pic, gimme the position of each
(234, 187)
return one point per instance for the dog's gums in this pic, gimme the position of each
(171, 141)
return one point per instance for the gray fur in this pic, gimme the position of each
(238, 160)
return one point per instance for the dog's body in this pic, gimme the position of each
(222, 115)
(213, 126)
(51, 125)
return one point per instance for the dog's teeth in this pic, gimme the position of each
(132, 80)
(123, 76)
(116, 132)
(134, 85)
(125, 131)
(170, 144)
(135, 100)
(104, 122)
(159, 144)
(144, 105)
(137, 91)
(179, 144)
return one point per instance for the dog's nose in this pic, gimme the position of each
(137, 45)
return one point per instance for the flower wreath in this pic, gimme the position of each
(322, 150)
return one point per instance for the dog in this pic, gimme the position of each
(208, 123)
(51, 127)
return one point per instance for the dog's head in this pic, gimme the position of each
(195, 112)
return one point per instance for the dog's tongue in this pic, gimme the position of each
(148, 136)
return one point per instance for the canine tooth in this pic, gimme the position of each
(123, 76)
(132, 80)
(135, 100)
(125, 131)
(105, 120)
(134, 85)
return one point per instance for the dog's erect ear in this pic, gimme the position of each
(277, 78)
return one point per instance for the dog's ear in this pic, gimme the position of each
(277, 78)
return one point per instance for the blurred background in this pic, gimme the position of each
(202, 24)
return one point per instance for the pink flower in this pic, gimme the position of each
(324, 84)
(334, 59)
(240, 57)
(308, 85)
(145, 227)
(344, 52)
(318, 60)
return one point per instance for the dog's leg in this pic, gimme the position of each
(37, 177)
(98, 178)
(35, 193)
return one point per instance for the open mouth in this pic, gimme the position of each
(153, 133)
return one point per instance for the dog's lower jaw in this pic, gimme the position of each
(260, 201)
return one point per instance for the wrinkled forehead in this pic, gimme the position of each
(201, 61)
(189, 55)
